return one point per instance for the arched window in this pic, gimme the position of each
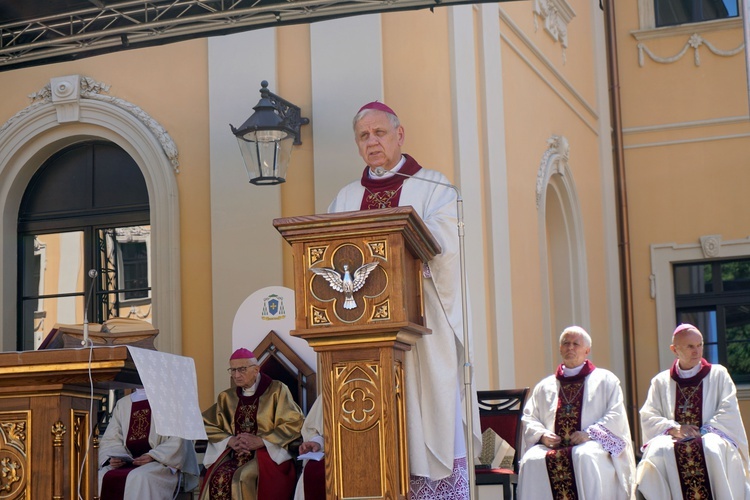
(86, 207)
(561, 246)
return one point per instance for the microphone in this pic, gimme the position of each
(380, 172)
(93, 273)
(468, 391)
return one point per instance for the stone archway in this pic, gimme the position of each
(68, 110)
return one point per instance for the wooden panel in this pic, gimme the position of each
(395, 238)
(110, 367)
(58, 418)
(361, 346)
(354, 465)
(15, 444)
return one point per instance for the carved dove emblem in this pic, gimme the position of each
(346, 283)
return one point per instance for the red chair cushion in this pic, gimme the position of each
(493, 471)
(503, 425)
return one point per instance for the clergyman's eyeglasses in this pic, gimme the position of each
(241, 369)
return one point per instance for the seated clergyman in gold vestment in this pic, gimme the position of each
(696, 446)
(248, 431)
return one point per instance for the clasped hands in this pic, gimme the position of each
(552, 440)
(684, 432)
(244, 443)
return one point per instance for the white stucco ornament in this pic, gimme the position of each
(67, 92)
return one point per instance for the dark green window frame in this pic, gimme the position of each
(715, 297)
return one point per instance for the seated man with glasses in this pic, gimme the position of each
(249, 428)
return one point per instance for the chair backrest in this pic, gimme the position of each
(280, 362)
(501, 411)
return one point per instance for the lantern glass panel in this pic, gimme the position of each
(266, 160)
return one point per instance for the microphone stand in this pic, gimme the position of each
(93, 273)
(468, 392)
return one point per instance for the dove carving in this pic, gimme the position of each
(346, 282)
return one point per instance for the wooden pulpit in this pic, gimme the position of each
(48, 404)
(358, 286)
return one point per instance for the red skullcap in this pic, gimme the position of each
(377, 105)
(242, 353)
(682, 327)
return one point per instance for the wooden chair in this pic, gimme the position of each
(280, 362)
(502, 411)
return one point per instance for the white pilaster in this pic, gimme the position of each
(491, 86)
(347, 72)
(246, 248)
(465, 106)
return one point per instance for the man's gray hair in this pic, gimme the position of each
(576, 330)
(391, 118)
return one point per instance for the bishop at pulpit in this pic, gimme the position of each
(364, 324)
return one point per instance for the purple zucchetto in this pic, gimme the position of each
(376, 105)
(243, 353)
(683, 327)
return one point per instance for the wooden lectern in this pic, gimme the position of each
(45, 418)
(358, 286)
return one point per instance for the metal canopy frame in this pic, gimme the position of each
(97, 28)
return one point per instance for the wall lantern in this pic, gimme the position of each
(266, 138)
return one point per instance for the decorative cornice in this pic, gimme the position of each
(557, 14)
(66, 93)
(694, 42)
(554, 159)
(539, 56)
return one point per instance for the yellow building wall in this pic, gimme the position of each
(170, 83)
(549, 90)
(686, 139)
(541, 102)
(416, 75)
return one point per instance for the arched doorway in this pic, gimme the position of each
(86, 208)
(46, 127)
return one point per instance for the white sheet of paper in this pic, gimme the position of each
(312, 455)
(172, 388)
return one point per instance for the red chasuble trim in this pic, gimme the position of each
(559, 462)
(219, 475)
(695, 379)
(562, 477)
(570, 401)
(691, 466)
(139, 427)
(385, 193)
(691, 462)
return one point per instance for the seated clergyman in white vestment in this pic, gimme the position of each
(136, 463)
(312, 482)
(695, 442)
(576, 440)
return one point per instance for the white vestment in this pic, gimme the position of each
(727, 462)
(434, 379)
(312, 430)
(598, 473)
(174, 459)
